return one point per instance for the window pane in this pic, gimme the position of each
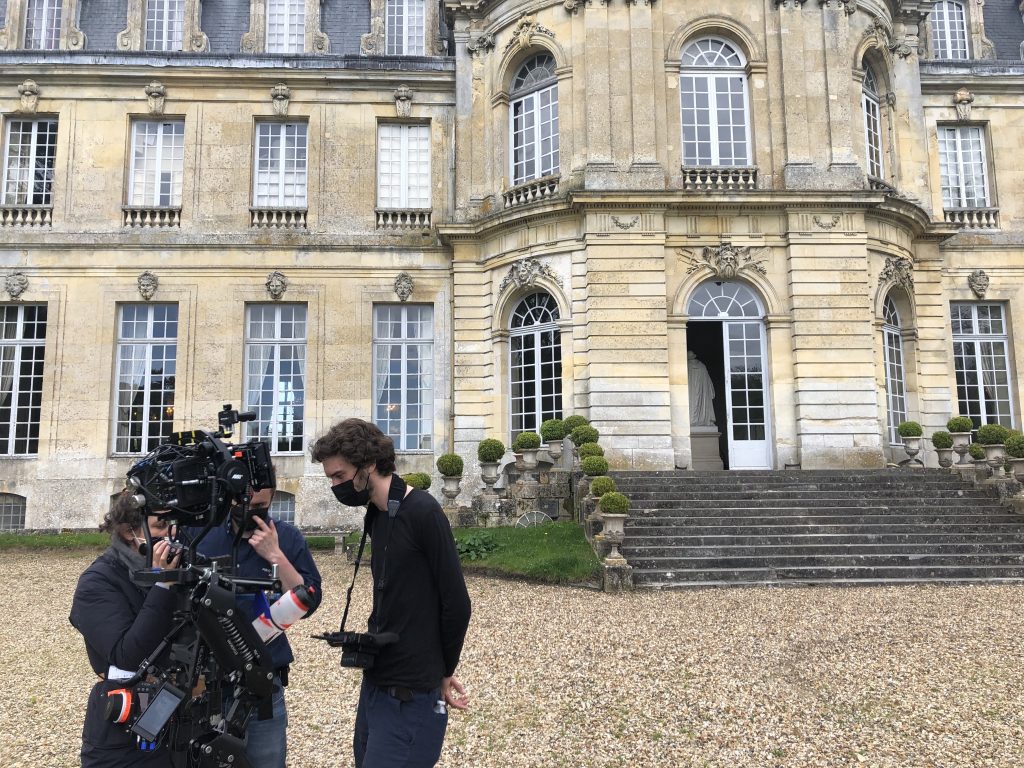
(280, 177)
(158, 152)
(146, 371)
(275, 374)
(29, 152)
(403, 386)
(981, 363)
(22, 347)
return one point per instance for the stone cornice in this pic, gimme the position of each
(978, 76)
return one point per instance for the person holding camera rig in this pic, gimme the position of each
(122, 623)
(266, 542)
(421, 607)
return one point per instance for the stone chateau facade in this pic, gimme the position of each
(461, 218)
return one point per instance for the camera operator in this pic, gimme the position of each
(419, 593)
(266, 542)
(122, 623)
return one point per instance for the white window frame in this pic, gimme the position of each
(413, 323)
(12, 512)
(44, 35)
(405, 28)
(950, 35)
(281, 422)
(956, 145)
(147, 185)
(982, 314)
(872, 107)
(286, 26)
(152, 431)
(712, 77)
(403, 166)
(284, 142)
(525, 332)
(165, 25)
(21, 179)
(895, 372)
(282, 507)
(535, 107)
(16, 352)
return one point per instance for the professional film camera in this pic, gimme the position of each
(196, 691)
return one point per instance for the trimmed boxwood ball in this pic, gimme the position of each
(960, 424)
(584, 434)
(1015, 446)
(977, 450)
(552, 430)
(569, 423)
(590, 449)
(593, 466)
(601, 485)
(942, 439)
(992, 434)
(614, 503)
(526, 441)
(909, 429)
(419, 480)
(490, 450)
(449, 465)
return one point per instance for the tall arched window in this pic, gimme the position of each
(713, 93)
(535, 365)
(949, 30)
(534, 123)
(895, 378)
(872, 124)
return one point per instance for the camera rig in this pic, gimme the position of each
(195, 692)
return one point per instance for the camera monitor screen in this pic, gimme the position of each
(152, 721)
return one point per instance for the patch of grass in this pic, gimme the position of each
(556, 553)
(321, 542)
(54, 540)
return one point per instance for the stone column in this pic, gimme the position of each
(908, 111)
(790, 32)
(934, 346)
(839, 84)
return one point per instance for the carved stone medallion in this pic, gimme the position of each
(526, 272)
(29, 92)
(979, 282)
(963, 100)
(898, 271)
(148, 284)
(403, 286)
(16, 284)
(281, 96)
(156, 95)
(403, 101)
(725, 261)
(277, 284)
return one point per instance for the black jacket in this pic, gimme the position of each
(122, 624)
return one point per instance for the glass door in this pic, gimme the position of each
(747, 395)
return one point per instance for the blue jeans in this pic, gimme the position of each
(266, 741)
(394, 734)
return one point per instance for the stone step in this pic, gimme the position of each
(757, 518)
(830, 492)
(836, 540)
(859, 581)
(814, 550)
(839, 528)
(823, 503)
(819, 574)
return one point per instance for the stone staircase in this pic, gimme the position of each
(817, 526)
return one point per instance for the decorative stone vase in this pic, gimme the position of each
(489, 474)
(961, 442)
(555, 450)
(912, 445)
(450, 489)
(1017, 465)
(995, 455)
(530, 458)
(945, 457)
(614, 532)
(981, 469)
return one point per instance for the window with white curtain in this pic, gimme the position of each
(30, 147)
(158, 160)
(949, 30)
(42, 24)
(963, 167)
(283, 507)
(147, 351)
(280, 178)
(403, 374)
(165, 20)
(405, 28)
(275, 378)
(895, 378)
(981, 358)
(403, 166)
(286, 26)
(534, 123)
(535, 365)
(713, 94)
(22, 348)
(872, 124)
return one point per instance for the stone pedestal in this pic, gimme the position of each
(704, 448)
(617, 577)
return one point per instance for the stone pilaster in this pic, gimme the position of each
(595, 82)
(937, 401)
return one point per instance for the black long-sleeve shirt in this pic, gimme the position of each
(424, 597)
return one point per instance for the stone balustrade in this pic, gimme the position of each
(719, 179)
(538, 189)
(877, 185)
(973, 218)
(408, 218)
(26, 216)
(139, 217)
(278, 218)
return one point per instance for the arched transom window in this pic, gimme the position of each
(534, 121)
(535, 364)
(872, 124)
(895, 378)
(718, 300)
(713, 93)
(949, 30)
(12, 512)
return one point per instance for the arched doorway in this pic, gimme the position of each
(726, 333)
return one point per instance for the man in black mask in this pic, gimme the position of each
(266, 542)
(419, 594)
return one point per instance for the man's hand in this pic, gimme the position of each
(264, 541)
(454, 693)
(163, 556)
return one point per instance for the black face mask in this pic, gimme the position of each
(347, 494)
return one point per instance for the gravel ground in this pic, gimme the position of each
(905, 676)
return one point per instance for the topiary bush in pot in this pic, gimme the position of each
(419, 480)
(490, 451)
(552, 430)
(593, 466)
(526, 441)
(1015, 446)
(601, 485)
(584, 434)
(942, 439)
(977, 451)
(960, 424)
(613, 503)
(449, 465)
(569, 423)
(909, 429)
(992, 434)
(590, 449)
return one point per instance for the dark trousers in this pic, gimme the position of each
(391, 733)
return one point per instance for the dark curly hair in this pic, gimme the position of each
(359, 443)
(122, 512)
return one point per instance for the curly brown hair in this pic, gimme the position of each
(122, 512)
(359, 443)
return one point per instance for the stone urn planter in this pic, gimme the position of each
(945, 457)
(961, 442)
(993, 438)
(942, 441)
(527, 444)
(489, 452)
(450, 487)
(910, 432)
(489, 474)
(552, 432)
(450, 466)
(1015, 455)
(912, 445)
(995, 456)
(1017, 467)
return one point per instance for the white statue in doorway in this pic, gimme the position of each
(702, 393)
